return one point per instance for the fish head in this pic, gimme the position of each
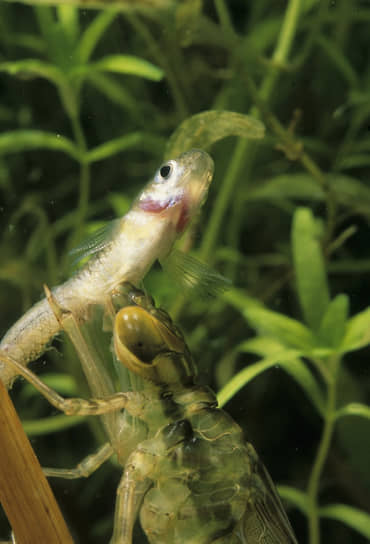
(179, 188)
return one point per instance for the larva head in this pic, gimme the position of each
(148, 347)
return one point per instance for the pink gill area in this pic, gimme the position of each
(154, 206)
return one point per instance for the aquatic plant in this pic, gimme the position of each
(89, 102)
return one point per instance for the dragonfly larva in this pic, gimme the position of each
(189, 474)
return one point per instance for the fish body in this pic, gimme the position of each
(146, 233)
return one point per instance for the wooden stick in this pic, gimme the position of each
(25, 493)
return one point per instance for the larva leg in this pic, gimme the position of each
(86, 467)
(72, 406)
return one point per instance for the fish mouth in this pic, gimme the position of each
(199, 168)
(198, 163)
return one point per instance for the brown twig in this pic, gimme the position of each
(25, 493)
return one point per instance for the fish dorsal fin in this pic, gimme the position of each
(190, 273)
(95, 242)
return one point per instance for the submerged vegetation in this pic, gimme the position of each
(92, 100)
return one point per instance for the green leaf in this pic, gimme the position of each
(204, 129)
(349, 190)
(289, 360)
(58, 47)
(129, 141)
(261, 345)
(62, 383)
(300, 372)
(288, 331)
(122, 64)
(357, 333)
(242, 378)
(354, 409)
(111, 88)
(33, 68)
(26, 140)
(338, 59)
(309, 267)
(354, 518)
(285, 330)
(287, 186)
(29, 41)
(52, 424)
(68, 17)
(355, 160)
(30, 68)
(93, 33)
(240, 300)
(333, 323)
(262, 36)
(296, 497)
(294, 366)
(307, 5)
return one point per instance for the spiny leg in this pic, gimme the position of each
(130, 492)
(86, 467)
(72, 406)
(93, 367)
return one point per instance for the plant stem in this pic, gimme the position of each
(84, 192)
(283, 46)
(321, 455)
(240, 155)
(224, 18)
(162, 60)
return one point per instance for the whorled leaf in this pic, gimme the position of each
(296, 497)
(350, 191)
(293, 365)
(121, 64)
(288, 331)
(354, 518)
(68, 19)
(354, 409)
(114, 91)
(129, 141)
(309, 268)
(357, 333)
(93, 33)
(333, 324)
(287, 186)
(29, 68)
(242, 378)
(146, 6)
(301, 373)
(240, 300)
(206, 128)
(26, 140)
(53, 424)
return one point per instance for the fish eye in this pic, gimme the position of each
(164, 172)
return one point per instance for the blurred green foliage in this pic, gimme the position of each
(89, 101)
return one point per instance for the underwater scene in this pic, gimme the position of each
(185, 271)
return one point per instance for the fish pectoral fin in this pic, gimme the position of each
(190, 273)
(94, 242)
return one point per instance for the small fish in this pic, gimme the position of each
(146, 233)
